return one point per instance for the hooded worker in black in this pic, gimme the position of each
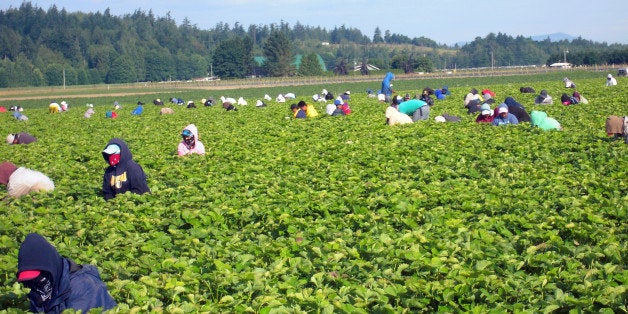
(56, 282)
(517, 109)
(123, 174)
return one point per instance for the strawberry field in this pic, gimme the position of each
(335, 214)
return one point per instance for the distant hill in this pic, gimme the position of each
(553, 37)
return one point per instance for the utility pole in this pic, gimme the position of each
(63, 78)
(492, 61)
(565, 55)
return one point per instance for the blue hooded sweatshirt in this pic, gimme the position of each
(77, 287)
(386, 90)
(138, 110)
(127, 175)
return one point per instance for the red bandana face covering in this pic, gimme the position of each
(114, 159)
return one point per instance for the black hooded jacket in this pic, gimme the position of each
(77, 287)
(125, 176)
(517, 109)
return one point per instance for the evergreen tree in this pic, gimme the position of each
(54, 74)
(233, 58)
(278, 53)
(310, 65)
(121, 71)
(377, 36)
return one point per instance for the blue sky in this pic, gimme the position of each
(444, 21)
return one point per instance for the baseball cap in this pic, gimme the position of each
(186, 133)
(112, 149)
(502, 109)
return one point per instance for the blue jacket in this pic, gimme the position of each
(77, 287)
(386, 90)
(439, 94)
(138, 110)
(125, 176)
(510, 119)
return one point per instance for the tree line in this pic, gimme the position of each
(53, 47)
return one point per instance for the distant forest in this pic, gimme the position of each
(54, 47)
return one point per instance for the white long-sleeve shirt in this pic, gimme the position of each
(24, 181)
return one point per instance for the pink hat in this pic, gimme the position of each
(502, 109)
(28, 275)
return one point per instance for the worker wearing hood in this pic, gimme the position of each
(540, 119)
(387, 90)
(517, 109)
(190, 144)
(123, 174)
(543, 99)
(56, 282)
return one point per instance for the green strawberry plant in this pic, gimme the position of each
(336, 214)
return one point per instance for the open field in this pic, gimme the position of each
(333, 214)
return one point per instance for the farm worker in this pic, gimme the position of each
(190, 144)
(297, 112)
(617, 127)
(568, 100)
(543, 99)
(208, 102)
(445, 117)
(19, 116)
(123, 174)
(337, 108)
(345, 108)
(310, 111)
(472, 96)
(486, 114)
(138, 110)
(517, 109)
(64, 106)
(57, 283)
(426, 96)
(90, 111)
(330, 108)
(610, 80)
(166, 110)
(540, 119)
(387, 90)
(440, 94)
(416, 108)
(393, 116)
(111, 114)
(580, 98)
(54, 107)
(21, 181)
(488, 94)
(569, 83)
(504, 117)
(526, 89)
(20, 138)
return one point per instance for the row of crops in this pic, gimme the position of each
(335, 214)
